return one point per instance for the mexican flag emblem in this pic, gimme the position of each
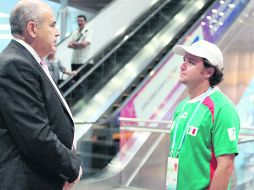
(192, 131)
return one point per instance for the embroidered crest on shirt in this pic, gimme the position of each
(232, 134)
(192, 131)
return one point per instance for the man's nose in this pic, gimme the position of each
(183, 65)
(57, 33)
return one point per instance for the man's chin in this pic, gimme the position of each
(182, 81)
(53, 50)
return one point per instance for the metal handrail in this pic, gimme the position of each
(145, 128)
(169, 122)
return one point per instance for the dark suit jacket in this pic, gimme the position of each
(36, 131)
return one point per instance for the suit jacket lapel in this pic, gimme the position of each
(28, 55)
(53, 88)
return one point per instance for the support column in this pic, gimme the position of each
(63, 13)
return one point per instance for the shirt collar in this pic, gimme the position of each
(198, 98)
(29, 48)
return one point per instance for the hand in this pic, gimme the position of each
(71, 44)
(68, 186)
(74, 72)
(79, 175)
(71, 72)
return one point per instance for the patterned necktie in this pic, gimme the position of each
(45, 68)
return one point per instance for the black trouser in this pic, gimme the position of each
(80, 73)
(75, 66)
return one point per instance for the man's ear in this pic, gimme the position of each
(32, 28)
(209, 72)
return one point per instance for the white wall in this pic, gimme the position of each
(111, 22)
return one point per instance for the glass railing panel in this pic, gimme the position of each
(123, 153)
(244, 166)
(99, 145)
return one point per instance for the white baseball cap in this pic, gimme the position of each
(202, 49)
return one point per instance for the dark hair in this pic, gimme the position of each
(82, 16)
(217, 76)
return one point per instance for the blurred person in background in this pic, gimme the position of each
(80, 43)
(56, 69)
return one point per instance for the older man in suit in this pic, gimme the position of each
(36, 125)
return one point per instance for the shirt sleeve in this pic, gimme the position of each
(61, 67)
(225, 131)
(87, 35)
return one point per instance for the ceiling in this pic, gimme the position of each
(87, 5)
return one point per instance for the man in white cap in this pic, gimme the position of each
(204, 135)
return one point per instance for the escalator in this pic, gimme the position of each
(116, 41)
(103, 139)
(113, 56)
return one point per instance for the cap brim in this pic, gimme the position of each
(182, 50)
(179, 50)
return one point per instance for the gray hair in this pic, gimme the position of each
(22, 14)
